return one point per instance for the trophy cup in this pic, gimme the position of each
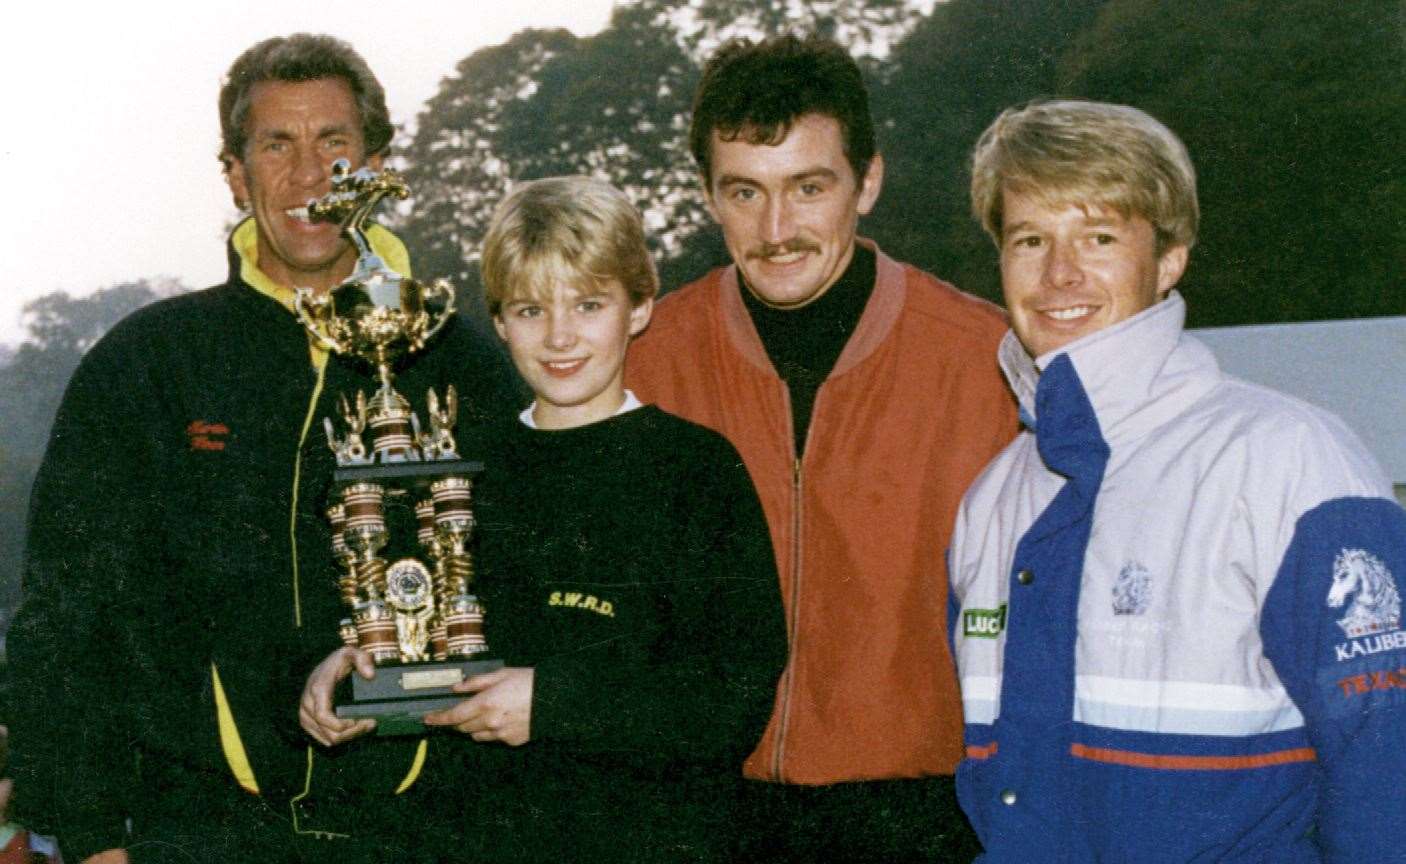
(409, 597)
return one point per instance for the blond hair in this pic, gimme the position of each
(1074, 152)
(563, 230)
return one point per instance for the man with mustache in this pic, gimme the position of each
(863, 398)
(177, 575)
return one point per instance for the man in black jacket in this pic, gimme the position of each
(179, 579)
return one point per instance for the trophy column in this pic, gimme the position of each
(416, 615)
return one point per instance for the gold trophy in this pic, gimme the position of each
(415, 615)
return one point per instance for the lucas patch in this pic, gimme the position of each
(984, 623)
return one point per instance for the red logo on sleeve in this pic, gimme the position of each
(1389, 679)
(207, 436)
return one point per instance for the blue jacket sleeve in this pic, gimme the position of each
(1332, 627)
(954, 606)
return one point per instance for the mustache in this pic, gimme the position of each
(771, 250)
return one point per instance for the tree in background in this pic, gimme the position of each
(946, 82)
(1293, 114)
(60, 328)
(1295, 118)
(614, 106)
(454, 162)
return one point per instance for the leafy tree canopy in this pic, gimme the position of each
(1294, 118)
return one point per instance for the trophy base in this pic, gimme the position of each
(401, 694)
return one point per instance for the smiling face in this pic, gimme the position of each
(789, 211)
(570, 349)
(296, 130)
(1069, 270)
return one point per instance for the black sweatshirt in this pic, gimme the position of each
(628, 563)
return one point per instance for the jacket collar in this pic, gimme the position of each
(244, 255)
(1136, 374)
(875, 323)
(244, 269)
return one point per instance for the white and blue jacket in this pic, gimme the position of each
(1176, 618)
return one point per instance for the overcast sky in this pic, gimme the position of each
(111, 126)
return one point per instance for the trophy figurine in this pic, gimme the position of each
(408, 593)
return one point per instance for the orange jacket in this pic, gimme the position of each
(913, 409)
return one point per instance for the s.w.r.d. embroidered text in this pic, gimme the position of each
(579, 600)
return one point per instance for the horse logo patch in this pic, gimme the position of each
(1376, 605)
(1133, 591)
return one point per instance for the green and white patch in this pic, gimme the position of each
(984, 623)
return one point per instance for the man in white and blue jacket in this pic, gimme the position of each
(1175, 605)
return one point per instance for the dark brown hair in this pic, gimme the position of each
(301, 57)
(756, 91)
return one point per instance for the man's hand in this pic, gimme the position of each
(501, 710)
(107, 856)
(315, 712)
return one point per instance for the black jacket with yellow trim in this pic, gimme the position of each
(160, 586)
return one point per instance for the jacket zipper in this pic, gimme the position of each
(793, 625)
(319, 383)
(793, 630)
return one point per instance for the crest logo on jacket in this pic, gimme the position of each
(1132, 592)
(1376, 604)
